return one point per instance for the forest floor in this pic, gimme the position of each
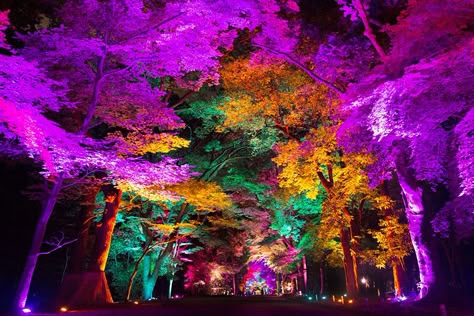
(264, 306)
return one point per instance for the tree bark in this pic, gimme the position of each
(79, 254)
(99, 77)
(398, 278)
(368, 32)
(305, 274)
(170, 288)
(106, 228)
(321, 279)
(234, 287)
(38, 237)
(415, 216)
(351, 287)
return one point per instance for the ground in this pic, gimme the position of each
(263, 306)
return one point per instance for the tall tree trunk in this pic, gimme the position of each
(38, 237)
(398, 277)
(80, 250)
(278, 287)
(348, 263)
(146, 275)
(170, 288)
(151, 277)
(305, 274)
(321, 279)
(415, 216)
(355, 230)
(91, 288)
(234, 287)
(106, 228)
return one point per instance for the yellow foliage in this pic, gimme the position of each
(260, 95)
(137, 143)
(204, 196)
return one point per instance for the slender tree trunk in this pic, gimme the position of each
(305, 274)
(234, 287)
(415, 215)
(321, 279)
(348, 263)
(398, 277)
(278, 287)
(99, 77)
(170, 288)
(355, 237)
(38, 237)
(368, 32)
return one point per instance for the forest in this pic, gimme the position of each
(151, 149)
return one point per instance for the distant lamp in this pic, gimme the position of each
(135, 302)
(63, 309)
(26, 310)
(363, 281)
(351, 301)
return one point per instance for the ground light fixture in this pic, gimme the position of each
(63, 309)
(26, 310)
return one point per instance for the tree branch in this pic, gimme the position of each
(57, 243)
(369, 33)
(296, 63)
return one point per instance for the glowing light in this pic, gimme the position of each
(339, 300)
(345, 294)
(135, 302)
(401, 298)
(324, 297)
(63, 309)
(310, 298)
(26, 310)
(351, 301)
(363, 280)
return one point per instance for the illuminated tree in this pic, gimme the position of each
(415, 112)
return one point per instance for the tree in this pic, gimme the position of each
(412, 111)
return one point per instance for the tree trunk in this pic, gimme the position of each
(355, 230)
(305, 274)
(398, 278)
(368, 32)
(106, 228)
(321, 280)
(148, 288)
(150, 278)
(415, 215)
(170, 288)
(99, 77)
(348, 263)
(278, 287)
(91, 288)
(146, 275)
(79, 255)
(38, 236)
(234, 287)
